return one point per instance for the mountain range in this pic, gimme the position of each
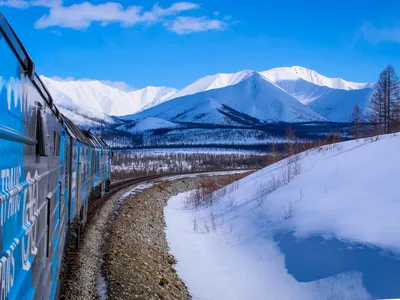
(288, 94)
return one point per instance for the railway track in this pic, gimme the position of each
(71, 267)
(70, 272)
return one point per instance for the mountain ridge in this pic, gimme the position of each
(253, 96)
(331, 98)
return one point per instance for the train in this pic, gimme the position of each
(50, 173)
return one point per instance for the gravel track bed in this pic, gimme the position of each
(138, 262)
(123, 252)
(85, 270)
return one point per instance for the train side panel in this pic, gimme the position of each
(32, 226)
(48, 173)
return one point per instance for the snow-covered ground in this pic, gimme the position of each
(324, 226)
(130, 163)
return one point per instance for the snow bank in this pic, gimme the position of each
(332, 232)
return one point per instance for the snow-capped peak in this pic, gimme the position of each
(98, 96)
(216, 81)
(297, 72)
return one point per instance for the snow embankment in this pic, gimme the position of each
(324, 225)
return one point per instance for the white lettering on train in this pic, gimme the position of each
(12, 195)
(7, 274)
(14, 92)
(10, 179)
(31, 197)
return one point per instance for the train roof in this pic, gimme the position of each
(95, 139)
(84, 136)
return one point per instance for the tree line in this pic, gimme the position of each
(383, 110)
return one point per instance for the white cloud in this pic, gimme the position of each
(24, 4)
(157, 12)
(376, 35)
(81, 16)
(46, 3)
(186, 25)
(121, 85)
(20, 4)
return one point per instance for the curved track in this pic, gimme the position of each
(74, 286)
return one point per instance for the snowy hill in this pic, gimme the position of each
(87, 119)
(254, 96)
(269, 97)
(147, 124)
(99, 97)
(333, 98)
(296, 72)
(199, 111)
(214, 82)
(330, 232)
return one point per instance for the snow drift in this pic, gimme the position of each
(331, 232)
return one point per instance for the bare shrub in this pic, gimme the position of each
(292, 146)
(195, 225)
(263, 191)
(230, 201)
(288, 211)
(291, 168)
(320, 145)
(332, 139)
(213, 223)
(220, 193)
(261, 195)
(203, 195)
(206, 227)
(234, 186)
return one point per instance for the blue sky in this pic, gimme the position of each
(174, 43)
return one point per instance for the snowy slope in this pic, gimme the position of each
(329, 233)
(87, 119)
(147, 124)
(151, 96)
(334, 99)
(338, 105)
(199, 111)
(214, 82)
(209, 111)
(296, 72)
(254, 96)
(98, 97)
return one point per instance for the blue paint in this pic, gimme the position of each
(12, 173)
(34, 219)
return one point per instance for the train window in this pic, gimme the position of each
(41, 133)
(56, 143)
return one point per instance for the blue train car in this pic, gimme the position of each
(49, 169)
